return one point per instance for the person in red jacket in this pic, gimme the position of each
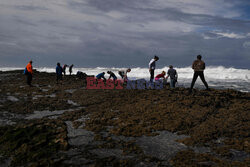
(29, 73)
(162, 75)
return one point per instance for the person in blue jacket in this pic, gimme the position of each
(59, 71)
(101, 76)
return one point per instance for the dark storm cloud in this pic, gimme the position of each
(124, 33)
(142, 15)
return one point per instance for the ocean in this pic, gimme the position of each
(218, 77)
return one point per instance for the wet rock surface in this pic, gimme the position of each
(64, 124)
(162, 146)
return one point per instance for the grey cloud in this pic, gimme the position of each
(104, 40)
(109, 5)
(24, 21)
(30, 7)
(136, 14)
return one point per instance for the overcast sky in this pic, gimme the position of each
(124, 33)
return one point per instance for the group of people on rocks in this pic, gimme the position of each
(62, 70)
(172, 73)
(122, 73)
(198, 66)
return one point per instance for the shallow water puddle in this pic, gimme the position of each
(7, 118)
(239, 155)
(46, 113)
(162, 146)
(72, 103)
(70, 90)
(12, 98)
(40, 96)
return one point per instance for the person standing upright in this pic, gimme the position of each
(29, 73)
(172, 73)
(70, 69)
(198, 66)
(64, 68)
(59, 72)
(152, 67)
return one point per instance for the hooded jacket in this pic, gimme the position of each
(29, 68)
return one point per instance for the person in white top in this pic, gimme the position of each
(152, 67)
(123, 74)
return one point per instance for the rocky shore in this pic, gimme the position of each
(65, 124)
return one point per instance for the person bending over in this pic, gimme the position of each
(159, 76)
(112, 75)
(123, 74)
(101, 76)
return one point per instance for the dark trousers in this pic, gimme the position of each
(29, 78)
(121, 74)
(58, 78)
(152, 73)
(201, 75)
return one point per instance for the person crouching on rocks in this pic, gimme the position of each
(101, 76)
(159, 76)
(59, 71)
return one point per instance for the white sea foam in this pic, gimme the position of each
(211, 73)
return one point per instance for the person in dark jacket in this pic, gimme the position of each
(111, 74)
(59, 71)
(198, 66)
(70, 69)
(64, 68)
(101, 76)
(173, 76)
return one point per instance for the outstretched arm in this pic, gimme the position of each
(104, 78)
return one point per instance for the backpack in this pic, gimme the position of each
(25, 72)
